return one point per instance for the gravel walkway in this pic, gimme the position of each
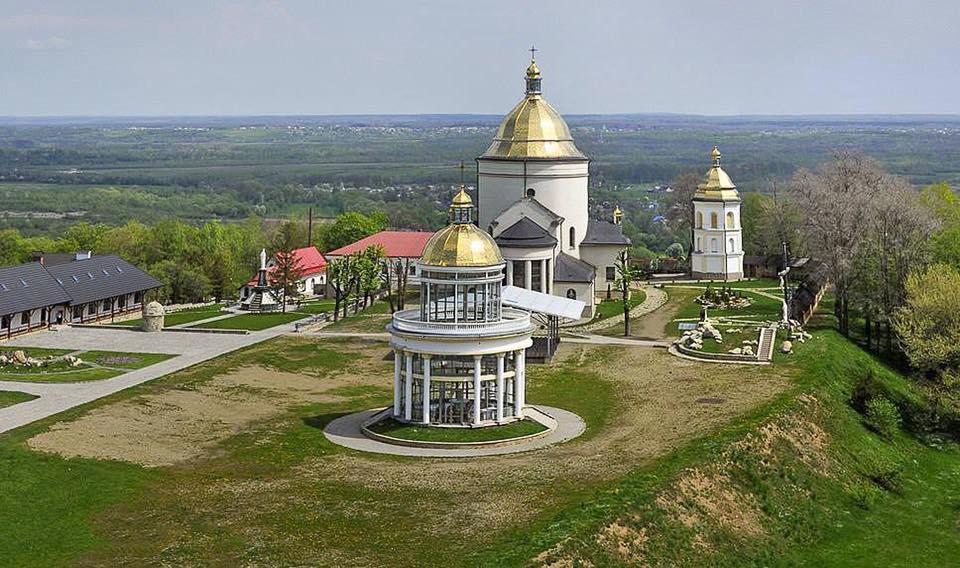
(655, 298)
(345, 431)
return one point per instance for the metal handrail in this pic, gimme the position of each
(511, 321)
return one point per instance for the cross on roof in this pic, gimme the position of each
(533, 53)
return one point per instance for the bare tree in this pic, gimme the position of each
(835, 202)
(679, 211)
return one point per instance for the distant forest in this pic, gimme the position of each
(59, 171)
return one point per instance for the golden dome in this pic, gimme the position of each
(717, 185)
(533, 71)
(462, 199)
(533, 129)
(461, 244)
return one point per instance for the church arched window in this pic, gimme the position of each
(714, 221)
(699, 220)
(733, 245)
(730, 223)
(713, 245)
(573, 237)
(699, 247)
(571, 294)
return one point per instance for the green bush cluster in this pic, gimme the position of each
(882, 417)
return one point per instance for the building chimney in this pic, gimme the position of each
(83, 255)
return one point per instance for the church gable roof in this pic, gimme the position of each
(527, 207)
(570, 269)
(604, 233)
(525, 233)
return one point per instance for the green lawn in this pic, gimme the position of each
(123, 360)
(392, 428)
(182, 316)
(610, 308)
(78, 507)
(315, 307)
(253, 322)
(36, 352)
(9, 398)
(62, 376)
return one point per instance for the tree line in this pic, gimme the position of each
(195, 263)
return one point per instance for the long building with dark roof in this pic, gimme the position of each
(84, 289)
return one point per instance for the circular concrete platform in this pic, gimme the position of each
(346, 431)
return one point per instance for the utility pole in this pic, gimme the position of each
(310, 226)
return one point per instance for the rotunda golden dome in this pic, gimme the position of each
(461, 244)
(533, 129)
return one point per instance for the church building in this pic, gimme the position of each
(717, 233)
(532, 195)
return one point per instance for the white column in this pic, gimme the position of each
(396, 382)
(527, 275)
(543, 275)
(476, 389)
(426, 389)
(509, 272)
(408, 398)
(500, 393)
(520, 396)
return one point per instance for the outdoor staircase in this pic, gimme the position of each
(255, 302)
(768, 338)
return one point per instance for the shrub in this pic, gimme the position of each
(889, 480)
(882, 416)
(866, 389)
(865, 496)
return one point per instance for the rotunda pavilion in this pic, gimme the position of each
(459, 357)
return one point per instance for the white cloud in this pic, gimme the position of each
(52, 43)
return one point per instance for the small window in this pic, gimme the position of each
(25, 318)
(714, 221)
(573, 237)
(699, 247)
(92, 308)
(699, 220)
(732, 245)
(713, 245)
(730, 223)
(611, 273)
(571, 294)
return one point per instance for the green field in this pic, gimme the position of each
(97, 365)
(9, 398)
(394, 429)
(253, 322)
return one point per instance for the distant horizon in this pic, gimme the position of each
(371, 58)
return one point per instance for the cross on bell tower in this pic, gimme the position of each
(533, 74)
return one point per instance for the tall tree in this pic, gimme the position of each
(341, 276)
(350, 227)
(834, 202)
(928, 323)
(370, 267)
(287, 270)
(626, 276)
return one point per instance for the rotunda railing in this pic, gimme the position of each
(512, 321)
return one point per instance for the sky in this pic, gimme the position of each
(253, 57)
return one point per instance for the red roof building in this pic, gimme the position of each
(310, 259)
(396, 244)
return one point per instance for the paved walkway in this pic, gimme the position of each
(612, 340)
(190, 348)
(345, 431)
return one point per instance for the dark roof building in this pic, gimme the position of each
(525, 233)
(604, 233)
(100, 277)
(84, 289)
(27, 287)
(571, 269)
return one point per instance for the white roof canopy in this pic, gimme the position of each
(516, 297)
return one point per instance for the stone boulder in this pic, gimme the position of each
(786, 347)
(747, 350)
(153, 315)
(19, 358)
